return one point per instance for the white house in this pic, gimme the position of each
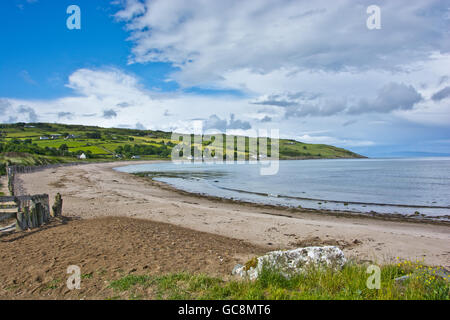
(82, 156)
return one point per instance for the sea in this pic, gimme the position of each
(418, 187)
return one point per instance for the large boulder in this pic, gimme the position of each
(292, 262)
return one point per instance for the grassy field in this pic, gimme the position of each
(50, 143)
(348, 283)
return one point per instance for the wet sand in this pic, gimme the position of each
(96, 190)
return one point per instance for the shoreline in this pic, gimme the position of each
(293, 210)
(97, 190)
(417, 218)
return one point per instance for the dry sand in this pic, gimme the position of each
(33, 265)
(96, 190)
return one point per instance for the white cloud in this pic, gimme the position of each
(109, 83)
(428, 113)
(309, 68)
(274, 51)
(392, 96)
(207, 39)
(132, 8)
(334, 141)
(112, 98)
(441, 94)
(214, 122)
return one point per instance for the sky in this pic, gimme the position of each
(311, 69)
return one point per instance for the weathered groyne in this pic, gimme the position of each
(29, 211)
(32, 211)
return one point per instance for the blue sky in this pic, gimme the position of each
(42, 53)
(313, 70)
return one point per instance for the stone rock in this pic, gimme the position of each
(291, 262)
(403, 278)
(438, 272)
(236, 268)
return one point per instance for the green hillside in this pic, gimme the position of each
(39, 143)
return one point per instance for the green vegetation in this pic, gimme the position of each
(87, 276)
(42, 143)
(291, 149)
(348, 283)
(26, 159)
(54, 284)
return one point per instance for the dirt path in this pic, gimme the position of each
(95, 190)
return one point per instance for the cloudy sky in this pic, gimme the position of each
(312, 69)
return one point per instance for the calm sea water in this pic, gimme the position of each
(402, 186)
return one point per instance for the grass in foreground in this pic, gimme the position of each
(348, 283)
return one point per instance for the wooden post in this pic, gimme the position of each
(45, 207)
(46, 212)
(54, 212)
(39, 214)
(26, 218)
(19, 221)
(33, 216)
(57, 206)
(11, 173)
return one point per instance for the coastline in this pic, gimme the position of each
(291, 211)
(267, 200)
(97, 190)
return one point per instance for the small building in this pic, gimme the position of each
(44, 138)
(135, 157)
(82, 156)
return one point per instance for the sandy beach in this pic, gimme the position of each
(96, 190)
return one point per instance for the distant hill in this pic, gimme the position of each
(49, 142)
